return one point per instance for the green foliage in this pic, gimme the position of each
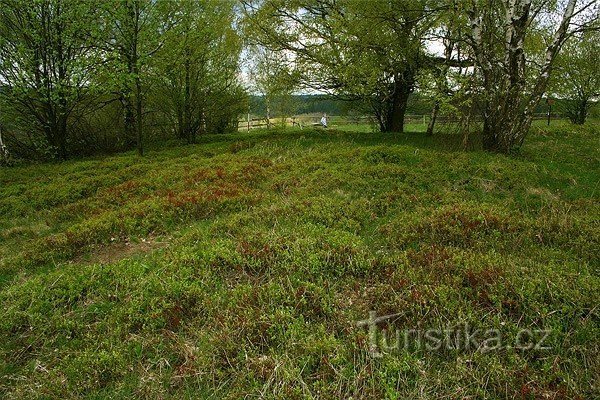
(274, 81)
(47, 64)
(361, 50)
(197, 70)
(84, 77)
(239, 266)
(576, 77)
(514, 46)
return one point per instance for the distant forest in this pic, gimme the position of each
(308, 104)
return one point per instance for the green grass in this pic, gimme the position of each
(239, 267)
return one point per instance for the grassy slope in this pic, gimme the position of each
(276, 244)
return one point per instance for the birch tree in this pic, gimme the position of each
(3, 149)
(270, 73)
(512, 78)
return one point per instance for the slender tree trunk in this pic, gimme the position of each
(268, 106)
(180, 125)
(186, 99)
(128, 117)
(131, 97)
(193, 135)
(466, 127)
(128, 53)
(135, 13)
(201, 120)
(61, 122)
(434, 113)
(443, 83)
(62, 135)
(138, 112)
(3, 149)
(61, 107)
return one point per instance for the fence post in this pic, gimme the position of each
(248, 122)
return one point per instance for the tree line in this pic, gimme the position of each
(497, 58)
(80, 76)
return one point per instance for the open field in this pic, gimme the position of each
(239, 267)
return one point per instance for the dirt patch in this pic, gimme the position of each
(118, 251)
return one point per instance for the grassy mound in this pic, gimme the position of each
(240, 266)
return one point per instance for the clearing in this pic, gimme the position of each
(240, 266)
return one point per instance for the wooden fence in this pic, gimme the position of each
(256, 123)
(308, 120)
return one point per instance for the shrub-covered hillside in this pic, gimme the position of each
(239, 267)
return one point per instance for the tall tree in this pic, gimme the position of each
(513, 80)
(198, 63)
(135, 32)
(360, 50)
(271, 77)
(577, 77)
(440, 75)
(47, 62)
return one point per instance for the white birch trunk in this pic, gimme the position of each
(508, 105)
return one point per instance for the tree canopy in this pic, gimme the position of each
(80, 77)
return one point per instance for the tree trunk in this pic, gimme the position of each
(138, 112)
(268, 112)
(506, 123)
(131, 96)
(391, 119)
(490, 135)
(186, 99)
(62, 135)
(508, 111)
(180, 125)
(582, 109)
(466, 127)
(128, 117)
(434, 113)
(443, 82)
(135, 13)
(396, 123)
(127, 95)
(3, 149)
(201, 121)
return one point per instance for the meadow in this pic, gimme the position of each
(238, 267)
